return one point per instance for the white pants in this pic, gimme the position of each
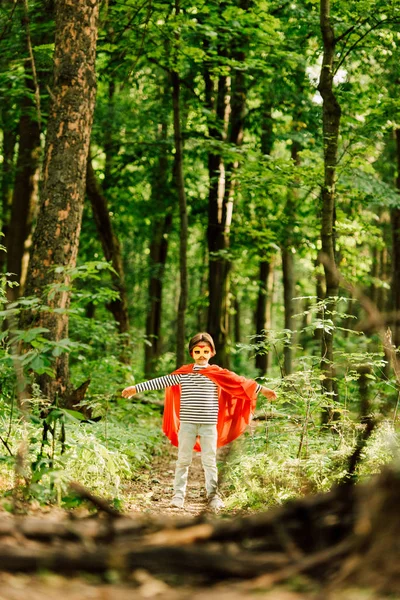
(187, 435)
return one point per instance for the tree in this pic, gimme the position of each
(111, 247)
(331, 114)
(228, 105)
(56, 237)
(159, 241)
(180, 186)
(395, 221)
(25, 194)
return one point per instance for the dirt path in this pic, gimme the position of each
(150, 492)
(152, 489)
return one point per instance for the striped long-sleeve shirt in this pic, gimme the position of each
(199, 395)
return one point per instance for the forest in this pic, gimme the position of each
(169, 167)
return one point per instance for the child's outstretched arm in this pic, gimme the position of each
(160, 383)
(270, 394)
(129, 392)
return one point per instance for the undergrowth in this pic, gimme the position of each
(264, 470)
(286, 455)
(99, 455)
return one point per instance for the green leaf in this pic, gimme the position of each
(73, 415)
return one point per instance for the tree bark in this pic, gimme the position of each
(265, 278)
(331, 114)
(222, 195)
(56, 238)
(162, 201)
(216, 240)
(111, 145)
(395, 221)
(9, 139)
(158, 259)
(263, 312)
(288, 294)
(25, 195)
(288, 272)
(237, 329)
(111, 247)
(180, 185)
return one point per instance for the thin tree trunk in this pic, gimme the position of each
(288, 294)
(395, 221)
(216, 240)
(110, 144)
(288, 272)
(7, 168)
(331, 122)
(264, 299)
(25, 194)
(56, 238)
(221, 199)
(158, 259)
(162, 200)
(180, 185)
(262, 325)
(385, 275)
(320, 293)
(111, 247)
(237, 321)
(373, 291)
(202, 283)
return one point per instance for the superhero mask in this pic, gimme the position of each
(201, 351)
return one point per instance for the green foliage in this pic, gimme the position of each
(99, 455)
(278, 176)
(292, 452)
(266, 470)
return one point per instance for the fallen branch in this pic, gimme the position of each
(323, 536)
(98, 502)
(305, 564)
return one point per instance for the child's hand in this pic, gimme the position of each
(129, 391)
(270, 394)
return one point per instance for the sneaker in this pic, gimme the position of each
(177, 502)
(215, 503)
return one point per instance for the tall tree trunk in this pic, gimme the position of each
(202, 286)
(263, 311)
(236, 320)
(25, 194)
(319, 292)
(373, 290)
(111, 247)
(180, 185)
(216, 239)
(288, 295)
(162, 200)
(221, 198)
(7, 169)
(111, 146)
(265, 272)
(395, 221)
(288, 266)
(56, 238)
(158, 259)
(331, 122)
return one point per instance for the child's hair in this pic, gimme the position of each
(201, 337)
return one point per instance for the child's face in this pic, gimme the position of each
(202, 353)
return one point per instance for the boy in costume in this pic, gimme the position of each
(204, 404)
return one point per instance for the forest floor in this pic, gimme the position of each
(150, 493)
(152, 490)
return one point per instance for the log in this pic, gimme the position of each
(350, 530)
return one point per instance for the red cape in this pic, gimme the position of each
(237, 399)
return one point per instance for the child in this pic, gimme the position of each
(203, 402)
